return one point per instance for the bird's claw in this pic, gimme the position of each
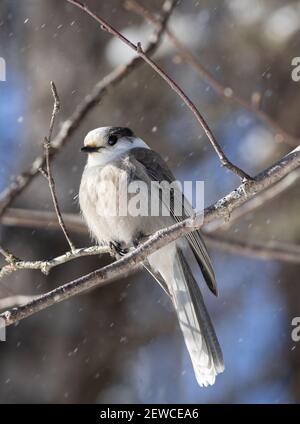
(117, 248)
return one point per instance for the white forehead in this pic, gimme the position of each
(96, 136)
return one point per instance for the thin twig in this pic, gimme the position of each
(101, 88)
(226, 92)
(47, 146)
(45, 266)
(8, 256)
(56, 109)
(158, 240)
(174, 86)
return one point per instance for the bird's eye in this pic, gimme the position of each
(112, 140)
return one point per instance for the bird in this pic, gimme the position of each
(115, 154)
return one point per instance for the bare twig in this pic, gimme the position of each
(47, 146)
(226, 92)
(8, 256)
(46, 265)
(161, 238)
(174, 86)
(68, 128)
(56, 109)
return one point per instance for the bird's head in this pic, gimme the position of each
(107, 143)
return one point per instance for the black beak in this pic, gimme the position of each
(89, 149)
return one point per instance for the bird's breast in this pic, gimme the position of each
(104, 201)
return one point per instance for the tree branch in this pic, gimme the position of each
(224, 91)
(172, 84)
(68, 128)
(29, 218)
(275, 250)
(256, 202)
(161, 238)
(46, 265)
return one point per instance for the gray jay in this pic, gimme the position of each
(115, 152)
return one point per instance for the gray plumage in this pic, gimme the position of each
(130, 156)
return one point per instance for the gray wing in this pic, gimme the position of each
(157, 170)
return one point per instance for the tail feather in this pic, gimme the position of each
(195, 323)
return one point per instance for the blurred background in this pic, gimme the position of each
(122, 343)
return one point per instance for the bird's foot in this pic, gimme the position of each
(118, 248)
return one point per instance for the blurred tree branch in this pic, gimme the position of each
(105, 26)
(224, 91)
(161, 238)
(101, 88)
(256, 202)
(275, 250)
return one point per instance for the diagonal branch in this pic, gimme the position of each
(226, 92)
(173, 85)
(256, 202)
(161, 238)
(101, 88)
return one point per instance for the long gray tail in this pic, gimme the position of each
(195, 323)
